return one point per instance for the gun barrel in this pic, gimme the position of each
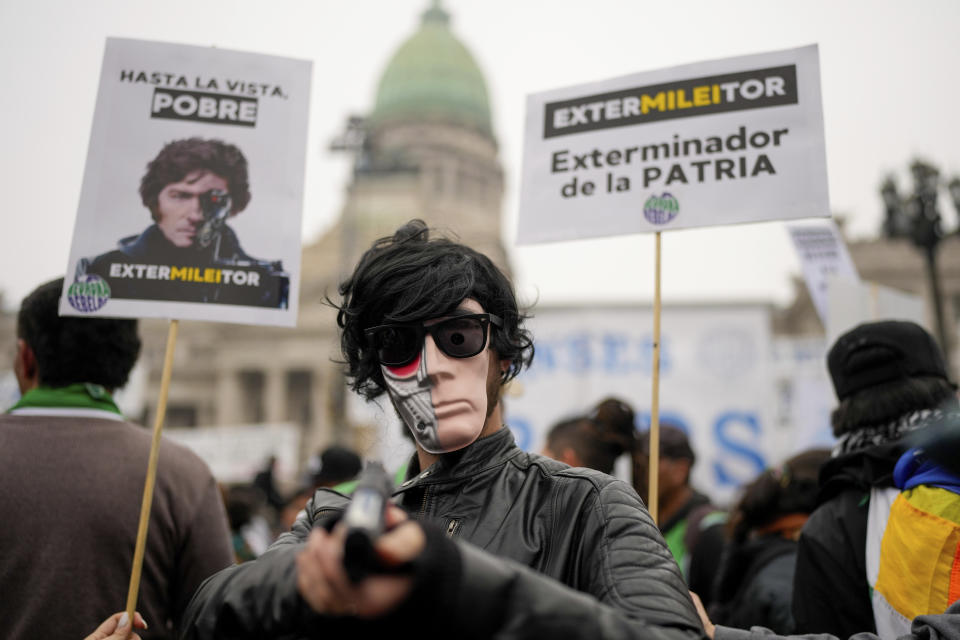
(365, 521)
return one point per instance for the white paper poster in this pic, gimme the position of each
(718, 142)
(823, 255)
(192, 196)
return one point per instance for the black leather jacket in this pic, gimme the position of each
(602, 569)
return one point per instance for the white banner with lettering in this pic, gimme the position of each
(716, 381)
(718, 142)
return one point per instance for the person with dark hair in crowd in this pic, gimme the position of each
(692, 525)
(594, 441)
(755, 583)
(72, 483)
(335, 465)
(265, 481)
(576, 442)
(250, 531)
(891, 381)
(191, 189)
(618, 420)
(504, 542)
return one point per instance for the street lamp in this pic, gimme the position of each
(917, 217)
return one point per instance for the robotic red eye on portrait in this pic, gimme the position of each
(215, 205)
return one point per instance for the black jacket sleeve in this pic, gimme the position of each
(502, 599)
(259, 599)
(943, 626)
(830, 590)
(473, 594)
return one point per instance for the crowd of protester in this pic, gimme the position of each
(857, 541)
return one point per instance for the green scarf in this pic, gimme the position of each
(82, 395)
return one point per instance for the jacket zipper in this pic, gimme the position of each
(452, 527)
(423, 506)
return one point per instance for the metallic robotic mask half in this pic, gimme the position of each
(410, 392)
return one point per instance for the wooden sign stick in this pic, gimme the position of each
(151, 472)
(653, 469)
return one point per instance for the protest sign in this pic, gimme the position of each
(192, 195)
(167, 224)
(719, 142)
(823, 255)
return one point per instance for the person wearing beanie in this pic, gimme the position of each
(891, 381)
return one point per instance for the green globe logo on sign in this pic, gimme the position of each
(89, 293)
(661, 209)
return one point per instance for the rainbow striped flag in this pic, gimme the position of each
(913, 551)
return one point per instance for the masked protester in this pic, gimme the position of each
(497, 541)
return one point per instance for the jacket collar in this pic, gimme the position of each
(74, 399)
(484, 454)
(861, 470)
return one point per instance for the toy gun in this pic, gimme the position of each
(275, 282)
(215, 205)
(365, 523)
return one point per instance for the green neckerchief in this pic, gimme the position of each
(82, 395)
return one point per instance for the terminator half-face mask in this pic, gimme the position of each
(436, 374)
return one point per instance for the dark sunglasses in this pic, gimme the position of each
(458, 337)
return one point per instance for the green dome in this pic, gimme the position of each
(432, 77)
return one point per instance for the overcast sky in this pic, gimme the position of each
(888, 73)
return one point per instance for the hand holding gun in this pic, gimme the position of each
(365, 523)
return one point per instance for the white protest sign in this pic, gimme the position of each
(823, 255)
(192, 197)
(718, 142)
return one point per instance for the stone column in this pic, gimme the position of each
(311, 436)
(275, 396)
(228, 398)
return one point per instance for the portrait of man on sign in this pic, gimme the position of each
(190, 253)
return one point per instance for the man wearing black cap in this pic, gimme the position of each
(891, 380)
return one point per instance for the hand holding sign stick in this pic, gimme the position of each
(189, 262)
